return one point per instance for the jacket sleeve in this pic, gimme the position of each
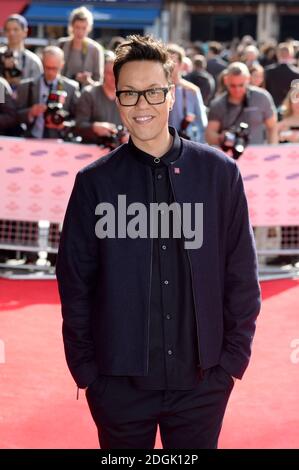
(8, 112)
(23, 105)
(241, 287)
(98, 63)
(76, 272)
(73, 102)
(84, 118)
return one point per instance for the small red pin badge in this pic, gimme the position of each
(177, 170)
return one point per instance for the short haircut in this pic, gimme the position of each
(238, 68)
(138, 48)
(81, 14)
(215, 47)
(200, 61)
(53, 50)
(173, 48)
(285, 49)
(19, 19)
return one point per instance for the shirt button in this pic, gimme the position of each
(159, 176)
(168, 316)
(164, 247)
(166, 282)
(169, 352)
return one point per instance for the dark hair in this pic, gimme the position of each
(215, 47)
(142, 48)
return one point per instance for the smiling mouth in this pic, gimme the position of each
(143, 119)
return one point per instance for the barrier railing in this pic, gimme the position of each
(36, 178)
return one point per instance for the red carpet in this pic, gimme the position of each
(38, 407)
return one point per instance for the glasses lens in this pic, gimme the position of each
(128, 98)
(155, 96)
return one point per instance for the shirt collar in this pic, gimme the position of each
(169, 157)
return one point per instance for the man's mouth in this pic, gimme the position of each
(143, 119)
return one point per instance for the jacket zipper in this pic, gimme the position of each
(149, 293)
(192, 279)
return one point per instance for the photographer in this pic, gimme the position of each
(242, 103)
(16, 62)
(8, 114)
(44, 104)
(97, 115)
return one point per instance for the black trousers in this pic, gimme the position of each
(127, 418)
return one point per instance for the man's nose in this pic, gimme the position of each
(142, 101)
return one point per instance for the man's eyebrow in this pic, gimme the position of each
(153, 85)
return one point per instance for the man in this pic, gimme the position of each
(156, 331)
(17, 62)
(215, 64)
(280, 76)
(242, 103)
(201, 78)
(97, 115)
(8, 112)
(188, 113)
(35, 97)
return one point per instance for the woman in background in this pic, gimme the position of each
(257, 75)
(84, 58)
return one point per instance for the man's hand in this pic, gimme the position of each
(84, 78)
(36, 110)
(104, 129)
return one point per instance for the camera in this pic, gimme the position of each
(186, 121)
(114, 140)
(236, 139)
(14, 71)
(55, 114)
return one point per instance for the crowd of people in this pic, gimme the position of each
(70, 89)
(242, 92)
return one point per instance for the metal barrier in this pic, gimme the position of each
(277, 248)
(18, 238)
(278, 251)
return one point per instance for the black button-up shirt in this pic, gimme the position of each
(173, 352)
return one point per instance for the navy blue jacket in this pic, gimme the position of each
(104, 284)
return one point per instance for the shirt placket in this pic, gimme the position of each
(167, 282)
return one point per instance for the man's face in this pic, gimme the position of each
(14, 33)
(52, 66)
(145, 122)
(80, 29)
(237, 86)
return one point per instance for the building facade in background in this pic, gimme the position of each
(172, 20)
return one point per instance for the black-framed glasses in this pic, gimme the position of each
(152, 96)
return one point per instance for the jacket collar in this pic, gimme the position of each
(167, 159)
